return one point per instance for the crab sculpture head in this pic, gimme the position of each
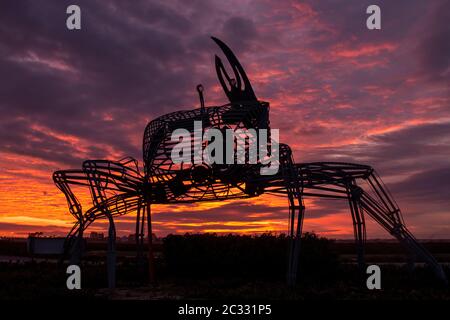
(206, 181)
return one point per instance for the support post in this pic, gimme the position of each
(137, 235)
(151, 260)
(296, 243)
(111, 254)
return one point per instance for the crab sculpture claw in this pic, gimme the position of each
(237, 89)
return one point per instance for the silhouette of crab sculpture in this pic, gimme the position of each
(119, 187)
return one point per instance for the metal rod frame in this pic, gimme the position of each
(119, 188)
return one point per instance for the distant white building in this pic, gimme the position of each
(45, 245)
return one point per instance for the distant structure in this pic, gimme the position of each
(39, 245)
(132, 237)
(96, 236)
(36, 234)
(119, 187)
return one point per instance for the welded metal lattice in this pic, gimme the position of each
(119, 187)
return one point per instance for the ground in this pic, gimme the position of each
(230, 267)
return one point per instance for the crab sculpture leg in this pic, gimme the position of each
(333, 180)
(294, 190)
(114, 188)
(63, 180)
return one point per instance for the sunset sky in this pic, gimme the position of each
(338, 92)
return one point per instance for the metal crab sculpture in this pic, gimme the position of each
(119, 187)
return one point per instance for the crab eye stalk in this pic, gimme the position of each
(201, 98)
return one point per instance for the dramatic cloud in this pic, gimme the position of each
(337, 91)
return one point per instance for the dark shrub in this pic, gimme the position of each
(205, 255)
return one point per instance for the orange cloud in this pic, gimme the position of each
(364, 50)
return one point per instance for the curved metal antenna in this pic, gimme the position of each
(234, 90)
(202, 99)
